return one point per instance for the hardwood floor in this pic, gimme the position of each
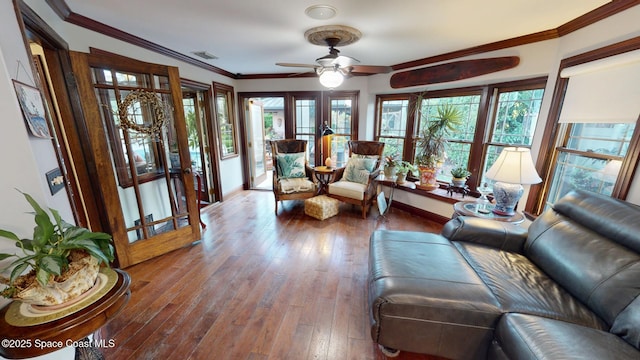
(258, 286)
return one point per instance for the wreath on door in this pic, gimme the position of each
(128, 122)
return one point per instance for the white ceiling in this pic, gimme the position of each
(250, 36)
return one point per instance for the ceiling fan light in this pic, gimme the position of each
(331, 79)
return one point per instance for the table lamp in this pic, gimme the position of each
(325, 133)
(513, 168)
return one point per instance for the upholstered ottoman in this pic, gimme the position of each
(321, 207)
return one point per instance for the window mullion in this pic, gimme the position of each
(478, 148)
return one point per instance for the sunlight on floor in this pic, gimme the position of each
(267, 184)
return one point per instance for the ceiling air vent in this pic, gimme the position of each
(204, 55)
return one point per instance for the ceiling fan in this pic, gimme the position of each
(333, 63)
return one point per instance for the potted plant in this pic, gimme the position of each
(405, 167)
(64, 260)
(460, 175)
(431, 150)
(390, 166)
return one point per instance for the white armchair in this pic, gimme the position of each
(356, 182)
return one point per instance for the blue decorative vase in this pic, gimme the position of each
(507, 196)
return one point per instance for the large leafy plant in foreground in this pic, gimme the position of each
(47, 254)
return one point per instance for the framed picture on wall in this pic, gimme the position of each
(33, 109)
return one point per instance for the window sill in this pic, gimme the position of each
(439, 194)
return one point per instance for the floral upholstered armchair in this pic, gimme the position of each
(292, 175)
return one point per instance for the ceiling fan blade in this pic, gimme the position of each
(452, 71)
(297, 65)
(302, 73)
(371, 69)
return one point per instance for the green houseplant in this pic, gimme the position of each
(459, 175)
(390, 166)
(57, 253)
(431, 149)
(404, 168)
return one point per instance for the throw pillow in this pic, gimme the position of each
(373, 157)
(358, 169)
(291, 165)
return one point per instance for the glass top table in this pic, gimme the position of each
(468, 208)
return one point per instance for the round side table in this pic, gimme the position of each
(21, 342)
(468, 208)
(324, 175)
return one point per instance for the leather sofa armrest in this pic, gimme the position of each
(501, 235)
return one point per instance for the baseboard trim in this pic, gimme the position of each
(420, 212)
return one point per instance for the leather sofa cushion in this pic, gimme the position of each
(595, 269)
(520, 286)
(424, 297)
(627, 324)
(596, 212)
(498, 234)
(526, 337)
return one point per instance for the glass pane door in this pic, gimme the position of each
(306, 126)
(144, 170)
(340, 122)
(257, 148)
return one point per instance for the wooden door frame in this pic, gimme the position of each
(252, 160)
(242, 127)
(212, 133)
(323, 102)
(74, 158)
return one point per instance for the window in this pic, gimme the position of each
(591, 139)
(343, 116)
(590, 158)
(137, 155)
(514, 122)
(224, 117)
(493, 117)
(459, 144)
(305, 116)
(304, 112)
(393, 125)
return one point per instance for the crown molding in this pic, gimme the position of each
(61, 8)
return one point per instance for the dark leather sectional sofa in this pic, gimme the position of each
(567, 287)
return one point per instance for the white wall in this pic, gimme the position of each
(81, 39)
(22, 169)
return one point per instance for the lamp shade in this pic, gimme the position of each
(331, 79)
(514, 166)
(610, 171)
